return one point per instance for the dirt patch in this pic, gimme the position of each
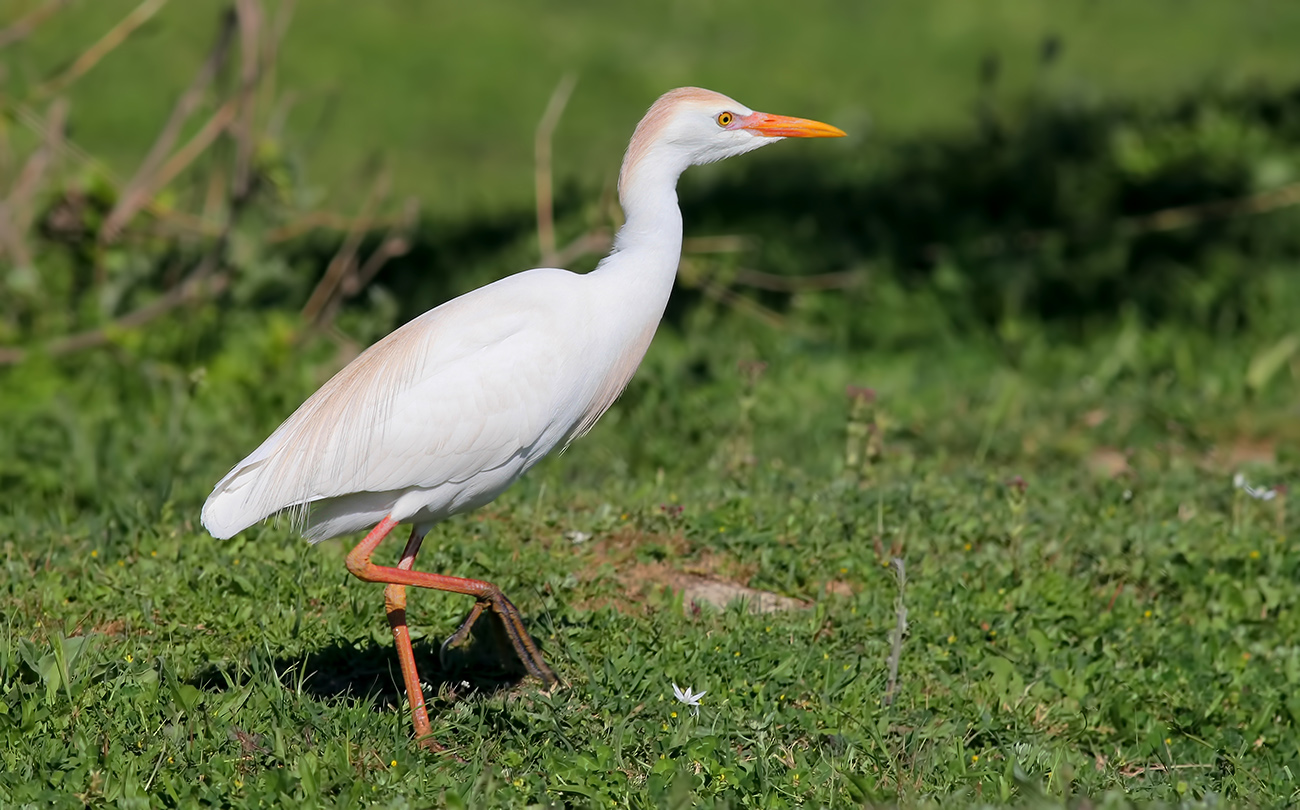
(1232, 454)
(1108, 462)
(705, 579)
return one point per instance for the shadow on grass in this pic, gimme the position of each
(484, 666)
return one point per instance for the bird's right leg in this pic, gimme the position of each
(395, 602)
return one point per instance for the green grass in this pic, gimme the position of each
(1092, 635)
(449, 93)
(1094, 609)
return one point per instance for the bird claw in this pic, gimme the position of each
(507, 627)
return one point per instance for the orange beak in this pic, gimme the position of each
(783, 126)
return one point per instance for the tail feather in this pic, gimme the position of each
(228, 511)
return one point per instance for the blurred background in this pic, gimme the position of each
(236, 198)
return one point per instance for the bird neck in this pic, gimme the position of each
(648, 247)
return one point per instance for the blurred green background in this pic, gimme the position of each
(1021, 328)
(449, 93)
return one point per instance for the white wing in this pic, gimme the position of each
(490, 381)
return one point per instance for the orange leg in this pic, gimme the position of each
(395, 602)
(487, 595)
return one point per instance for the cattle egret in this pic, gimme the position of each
(442, 415)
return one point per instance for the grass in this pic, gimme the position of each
(1094, 609)
(1095, 612)
(449, 93)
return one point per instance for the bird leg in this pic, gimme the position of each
(512, 623)
(487, 595)
(395, 602)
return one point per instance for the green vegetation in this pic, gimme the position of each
(1123, 623)
(450, 92)
(1025, 357)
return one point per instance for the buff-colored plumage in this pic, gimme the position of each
(446, 412)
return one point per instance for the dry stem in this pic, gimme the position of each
(92, 55)
(344, 260)
(24, 26)
(144, 184)
(542, 167)
(900, 628)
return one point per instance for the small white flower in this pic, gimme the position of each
(1258, 493)
(689, 697)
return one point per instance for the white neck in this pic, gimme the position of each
(648, 247)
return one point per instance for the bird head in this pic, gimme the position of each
(690, 126)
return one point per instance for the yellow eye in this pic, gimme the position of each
(725, 118)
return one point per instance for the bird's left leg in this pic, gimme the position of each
(486, 595)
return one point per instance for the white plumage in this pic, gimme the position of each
(446, 412)
(441, 415)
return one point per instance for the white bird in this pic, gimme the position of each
(445, 413)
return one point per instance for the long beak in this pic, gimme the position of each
(783, 126)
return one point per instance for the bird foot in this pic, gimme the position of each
(507, 632)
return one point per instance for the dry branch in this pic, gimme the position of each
(198, 285)
(1167, 219)
(324, 220)
(271, 50)
(345, 259)
(900, 630)
(251, 23)
(196, 146)
(725, 295)
(542, 167)
(594, 241)
(92, 55)
(397, 242)
(16, 208)
(772, 282)
(144, 184)
(24, 26)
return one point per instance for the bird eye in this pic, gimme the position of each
(725, 118)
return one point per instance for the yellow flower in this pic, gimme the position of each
(393, 764)
(94, 552)
(974, 757)
(951, 639)
(1254, 555)
(672, 714)
(968, 546)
